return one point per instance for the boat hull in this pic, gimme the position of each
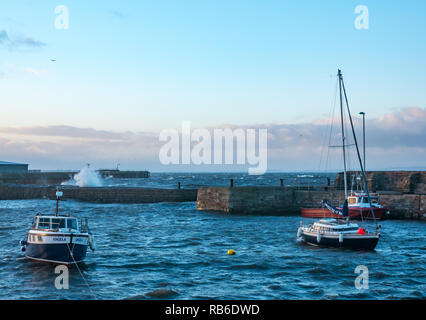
(350, 242)
(354, 213)
(56, 253)
(60, 248)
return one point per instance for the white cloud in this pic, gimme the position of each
(393, 140)
(36, 72)
(18, 41)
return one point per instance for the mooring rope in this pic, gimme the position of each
(388, 243)
(78, 268)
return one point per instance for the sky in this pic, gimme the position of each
(125, 70)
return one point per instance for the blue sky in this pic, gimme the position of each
(148, 65)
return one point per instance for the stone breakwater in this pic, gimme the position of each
(98, 194)
(49, 178)
(396, 181)
(39, 178)
(289, 201)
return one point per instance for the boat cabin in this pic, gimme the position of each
(334, 226)
(361, 200)
(56, 223)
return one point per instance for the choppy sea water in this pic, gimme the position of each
(195, 180)
(168, 250)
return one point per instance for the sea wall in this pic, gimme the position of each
(124, 174)
(289, 201)
(250, 200)
(39, 178)
(130, 195)
(98, 195)
(396, 181)
(50, 178)
(263, 200)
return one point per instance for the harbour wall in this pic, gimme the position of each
(98, 194)
(50, 178)
(124, 174)
(289, 201)
(397, 181)
(39, 178)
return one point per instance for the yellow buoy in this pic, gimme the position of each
(231, 252)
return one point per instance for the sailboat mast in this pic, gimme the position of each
(343, 135)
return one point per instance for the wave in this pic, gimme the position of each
(86, 177)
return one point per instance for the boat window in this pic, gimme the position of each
(71, 223)
(58, 223)
(352, 200)
(43, 223)
(350, 229)
(373, 200)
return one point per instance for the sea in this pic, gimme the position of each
(174, 251)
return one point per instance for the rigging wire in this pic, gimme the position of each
(331, 126)
(324, 136)
(358, 154)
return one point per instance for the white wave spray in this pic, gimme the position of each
(86, 177)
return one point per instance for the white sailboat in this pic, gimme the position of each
(338, 232)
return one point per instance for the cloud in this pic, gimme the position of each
(393, 140)
(36, 72)
(4, 38)
(29, 42)
(63, 131)
(115, 14)
(19, 42)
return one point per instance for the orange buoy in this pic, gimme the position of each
(361, 231)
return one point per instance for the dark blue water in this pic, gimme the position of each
(143, 248)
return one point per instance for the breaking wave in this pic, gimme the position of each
(86, 177)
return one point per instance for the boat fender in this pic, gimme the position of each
(318, 237)
(341, 237)
(23, 249)
(299, 233)
(92, 243)
(22, 243)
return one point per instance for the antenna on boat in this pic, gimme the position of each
(59, 194)
(357, 150)
(363, 136)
